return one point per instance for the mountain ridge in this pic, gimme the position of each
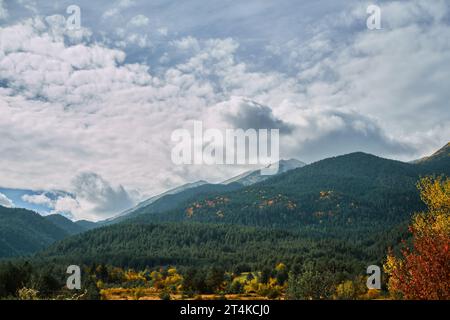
(354, 186)
(356, 204)
(66, 224)
(438, 161)
(343, 196)
(254, 176)
(151, 200)
(198, 188)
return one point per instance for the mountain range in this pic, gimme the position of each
(54, 227)
(352, 199)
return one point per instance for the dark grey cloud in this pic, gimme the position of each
(353, 133)
(251, 115)
(106, 200)
(5, 201)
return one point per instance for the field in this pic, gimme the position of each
(154, 294)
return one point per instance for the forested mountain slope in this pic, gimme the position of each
(66, 224)
(23, 232)
(172, 201)
(200, 245)
(358, 192)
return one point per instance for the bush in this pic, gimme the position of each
(310, 285)
(273, 293)
(165, 296)
(27, 294)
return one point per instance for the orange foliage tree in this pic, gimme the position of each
(423, 271)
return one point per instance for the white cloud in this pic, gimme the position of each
(5, 201)
(397, 75)
(164, 31)
(105, 200)
(139, 21)
(125, 3)
(116, 8)
(141, 41)
(77, 106)
(3, 10)
(39, 199)
(91, 198)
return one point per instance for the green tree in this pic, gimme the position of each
(311, 284)
(214, 279)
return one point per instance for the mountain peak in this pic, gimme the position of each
(441, 154)
(445, 150)
(151, 200)
(255, 176)
(294, 163)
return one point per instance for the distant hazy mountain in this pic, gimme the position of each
(255, 176)
(151, 200)
(87, 225)
(170, 201)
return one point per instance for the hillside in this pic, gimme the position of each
(202, 245)
(173, 200)
(24, 232)
(438, 162)
(349, 199)
(65, 224)
(340, 213)
(151, 200)
(174, 197)
(356, 192)
(87, 225)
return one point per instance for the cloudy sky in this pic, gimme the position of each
(90, 112)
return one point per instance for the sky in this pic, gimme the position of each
(86, 115)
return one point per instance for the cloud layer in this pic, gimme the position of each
(91, 112)
(5, 201)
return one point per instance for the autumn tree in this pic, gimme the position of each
(281, 273)
(351, 289)
(423, 270)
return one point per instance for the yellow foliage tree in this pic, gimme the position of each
(351, 289)
(280, 267)
(423, 272)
